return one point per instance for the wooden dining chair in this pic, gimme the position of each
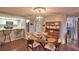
(43, 41)
(49, 47)
(32, 44)
(52, 46)
(57, 45)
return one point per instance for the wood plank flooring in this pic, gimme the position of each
(20, 45)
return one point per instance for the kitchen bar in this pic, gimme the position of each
(8, 35)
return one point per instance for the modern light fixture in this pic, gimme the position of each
(39, 11)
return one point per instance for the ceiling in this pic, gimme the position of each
(23, 11)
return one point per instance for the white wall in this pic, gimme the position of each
(32, 26)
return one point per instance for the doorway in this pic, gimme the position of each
(72, 30)
(27, 27)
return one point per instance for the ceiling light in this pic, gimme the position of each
(27, 21)
(39, 9)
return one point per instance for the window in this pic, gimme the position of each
(11, 20)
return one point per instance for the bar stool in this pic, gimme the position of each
(17, 34)
(7, 33)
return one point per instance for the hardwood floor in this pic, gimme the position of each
(20, 45)
(13, 46)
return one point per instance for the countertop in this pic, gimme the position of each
(10, 29)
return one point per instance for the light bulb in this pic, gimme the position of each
(27, 21)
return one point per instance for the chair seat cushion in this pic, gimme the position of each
(35, 44)
(50, 46)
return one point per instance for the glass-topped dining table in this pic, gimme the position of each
(43, 40)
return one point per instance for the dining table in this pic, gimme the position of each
(38, 39)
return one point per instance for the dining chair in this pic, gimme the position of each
(31, 43)
(43, 41)
(52, 44)
(50, 47)
(57, 45)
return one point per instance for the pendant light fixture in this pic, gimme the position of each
(39, 11)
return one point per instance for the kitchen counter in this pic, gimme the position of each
(16, 33)
(10, 29)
